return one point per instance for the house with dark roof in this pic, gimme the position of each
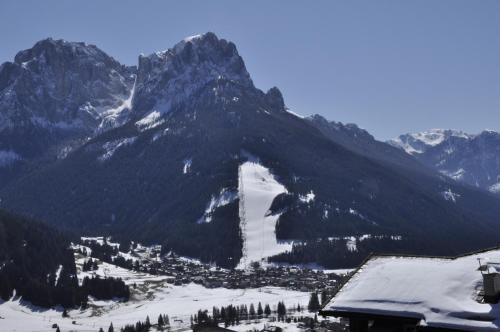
(410, 293)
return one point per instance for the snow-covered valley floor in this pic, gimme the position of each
(153, 296)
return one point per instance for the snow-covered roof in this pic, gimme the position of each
(441, 292)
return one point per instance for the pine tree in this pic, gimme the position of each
(259, 310)
(281, 309)
(160, 320)
(111, 328)
(166, 321)
(252, 311)
(313, 302)
(58, 330)
(267, 310)
(148, 323)
(101, 330)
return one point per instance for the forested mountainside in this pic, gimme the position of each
(38, 265)
(36, 262)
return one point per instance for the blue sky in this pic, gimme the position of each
(389, 66)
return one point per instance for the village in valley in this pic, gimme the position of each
(180, 270)
(99, 256)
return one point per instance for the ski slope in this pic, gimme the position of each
(257, 189)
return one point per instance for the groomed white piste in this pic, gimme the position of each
(257, 189)
(439, 292)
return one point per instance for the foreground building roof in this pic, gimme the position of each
(437, 292)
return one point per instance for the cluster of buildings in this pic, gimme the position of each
(305, 280)
(183, 271)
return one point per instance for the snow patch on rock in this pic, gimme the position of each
(495, 188)
(307, 198)
(111, 147)
(450, 195)
(150, 121)
(8, 157)
(295, 114)
(225, 197)
(187, 166)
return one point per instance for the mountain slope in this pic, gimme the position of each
(360, 141)
(172, 174)
(471, 159)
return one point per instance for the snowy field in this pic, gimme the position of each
(152, 297)
(257, 188)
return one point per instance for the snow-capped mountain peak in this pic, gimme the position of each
(415, 143)
(473, 159)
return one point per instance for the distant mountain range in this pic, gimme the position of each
(183, 150)
(471, 159)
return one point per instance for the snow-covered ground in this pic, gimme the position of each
(153, 296)
(257, 189)
(179, 302)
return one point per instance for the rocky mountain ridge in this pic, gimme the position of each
(471, 159)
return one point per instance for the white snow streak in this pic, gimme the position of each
(58, 273)
(187, 166)
(150, 121)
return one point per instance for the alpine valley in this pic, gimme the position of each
(184, 151)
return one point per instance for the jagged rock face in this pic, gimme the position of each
(472, 159)
(166, 80)
(57, 90)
